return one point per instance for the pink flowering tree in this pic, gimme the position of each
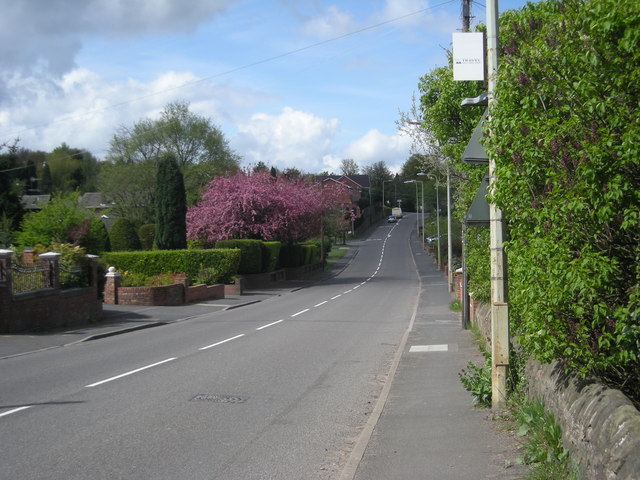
(260, 206)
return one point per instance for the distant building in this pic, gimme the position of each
(32, 203)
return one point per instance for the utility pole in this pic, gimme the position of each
(466, 15)
(499, 308)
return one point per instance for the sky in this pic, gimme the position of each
(290, 83)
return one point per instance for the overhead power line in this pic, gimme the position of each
(242, 67)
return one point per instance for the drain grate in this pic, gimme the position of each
(208, 397)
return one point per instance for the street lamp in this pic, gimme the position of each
(437, 184)
(422, 207)
(383, 194)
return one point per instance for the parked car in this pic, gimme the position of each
(391, 219)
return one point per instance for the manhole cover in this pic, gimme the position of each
(208, 397)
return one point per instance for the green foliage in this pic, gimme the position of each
(270, 255)
(566, 138)
(123, 236)
(6, 231)
(311, 253)
(71, 169)
(62, 220)
(291, 255)
(479, 263)
(251, 254)
(190, 262)
(146, 235)
(171, 207)
(477, 380)
(543, 434)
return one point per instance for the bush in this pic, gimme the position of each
(146, 235)
(291, 256)
(123, 236)
(566, 140)
(191, 262)
(270, 255)
(251, 254)
(310, 253)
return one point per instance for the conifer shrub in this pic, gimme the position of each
(123, 236)
(146, 234)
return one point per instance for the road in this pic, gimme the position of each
(275, 390)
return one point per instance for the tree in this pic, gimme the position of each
(171, 207)
(131, 186)
(199, 147)
(260, 206)
(378, 173)
(62, 220)
(348, 166)
(72, 169)
(45, 180)
(10, 205)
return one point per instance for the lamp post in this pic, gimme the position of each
(437, 184)
(422, 207)
(383, 181)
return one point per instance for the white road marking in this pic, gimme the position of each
(300, 312)
(269, 325)
(321, 303)
(428, 348)
(348, 291)
(220, 343)
(15, 410)
(130, 373)
(333, 298)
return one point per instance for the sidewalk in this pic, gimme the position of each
(428, 428)
(120, 319)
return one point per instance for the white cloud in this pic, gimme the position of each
(45, 35)
(290, 139)
(84, 110)
(375, 146)
(330, 23)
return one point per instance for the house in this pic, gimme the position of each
(34, 202)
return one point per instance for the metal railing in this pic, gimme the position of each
(26, 278)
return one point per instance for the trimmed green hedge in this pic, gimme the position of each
(251, 254)
(270, 255)
(191, 262)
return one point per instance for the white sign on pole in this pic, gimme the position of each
(468, 56)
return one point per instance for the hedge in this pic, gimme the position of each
(191, 262)
(251, 254)
(270, 255)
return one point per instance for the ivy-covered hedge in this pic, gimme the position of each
(566, 136)
(251, 254)
(191, 262)
(270, 255)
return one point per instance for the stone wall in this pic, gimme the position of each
(600, 426)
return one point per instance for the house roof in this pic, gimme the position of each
(94, 200)
(361, 180)
(34, 202)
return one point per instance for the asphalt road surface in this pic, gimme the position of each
(276, 390)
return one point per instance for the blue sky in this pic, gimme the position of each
(290, 83)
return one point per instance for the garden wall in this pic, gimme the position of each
(600, 426)
(47, 308)
(178, 293)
